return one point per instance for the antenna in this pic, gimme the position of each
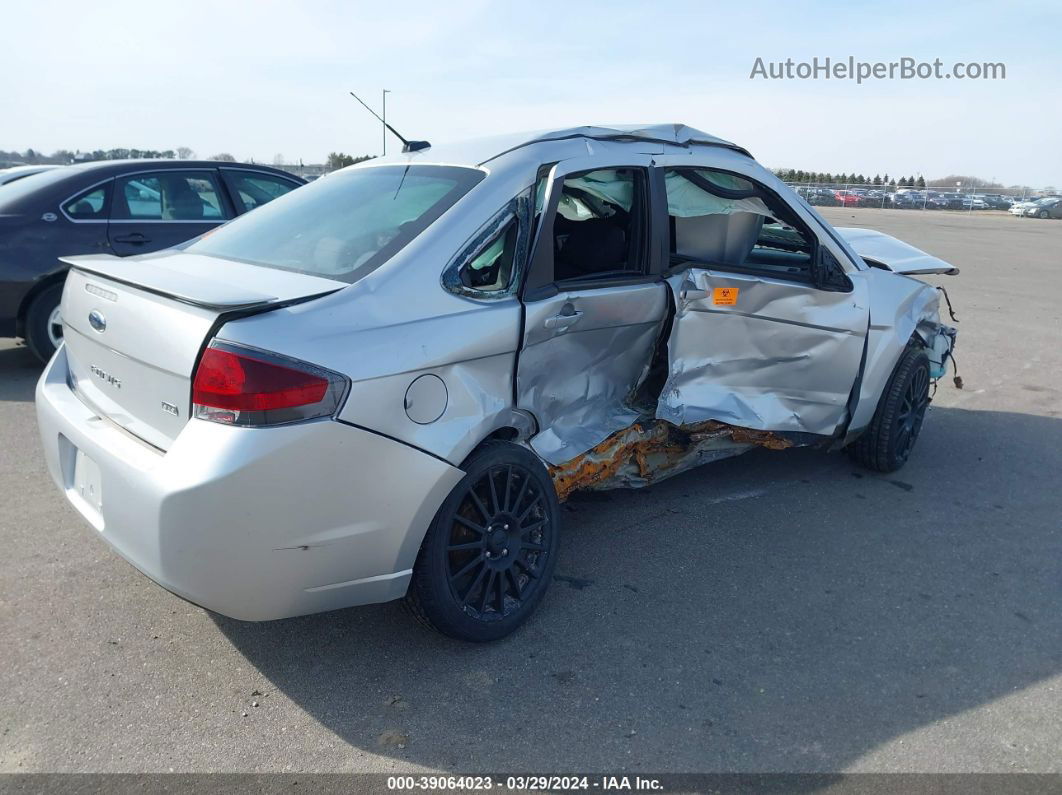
(407, 146)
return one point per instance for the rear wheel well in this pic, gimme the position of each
(31, 296)
(506, 433)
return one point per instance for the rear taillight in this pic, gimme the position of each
(241, 386)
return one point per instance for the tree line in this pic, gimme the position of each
(951, 181)
(342, 160)
(34, 157)
(797, 175)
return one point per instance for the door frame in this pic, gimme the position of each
(538, 276)
(827, 256)
(228, 209)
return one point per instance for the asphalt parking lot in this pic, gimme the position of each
(782, 611)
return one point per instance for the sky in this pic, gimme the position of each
(257, 79)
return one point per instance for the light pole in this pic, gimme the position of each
(385, 93)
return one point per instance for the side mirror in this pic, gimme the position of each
(827, 273)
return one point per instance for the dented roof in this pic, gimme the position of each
(479, 151)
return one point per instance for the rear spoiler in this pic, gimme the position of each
(205, 281)
(887, 252)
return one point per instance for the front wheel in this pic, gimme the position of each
(44, 323)
(489, 554)
(1043, 214)
(887, 443)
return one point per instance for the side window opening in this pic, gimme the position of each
(725, 220)
(90, 205)
(168, 196)
(255, 190)
(600, 225)
(492, 269)
(492, 262)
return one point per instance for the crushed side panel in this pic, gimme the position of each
(578, 383)
(783, 357)
(652, 450)
(900, 308)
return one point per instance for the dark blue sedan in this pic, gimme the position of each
(113, 207)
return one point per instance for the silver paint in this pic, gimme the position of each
(893, 254)
(783, 358)
(272, 522)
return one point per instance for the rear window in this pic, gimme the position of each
(344, 226)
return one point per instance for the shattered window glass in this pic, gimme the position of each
(491, 270)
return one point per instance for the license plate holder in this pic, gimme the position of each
(86, 491)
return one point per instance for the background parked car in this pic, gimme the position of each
(111, 207)
(997, 201)
(821, 197)
(1045, 208)
(15, 173)
(936, 201)
(1019, 208)
(847, 198)
(909, 200)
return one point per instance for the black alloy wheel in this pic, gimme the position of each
(489, 555)
(887, 442)
(912, 412)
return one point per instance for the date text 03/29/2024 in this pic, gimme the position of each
(526, 783)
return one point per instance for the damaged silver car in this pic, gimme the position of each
(382, 385)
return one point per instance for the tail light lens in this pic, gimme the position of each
(242, 386)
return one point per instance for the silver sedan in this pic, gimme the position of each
(382, 385)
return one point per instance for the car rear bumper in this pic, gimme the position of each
(255, 524)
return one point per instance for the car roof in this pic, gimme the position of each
(27, 167)
(107, 167)
(479, 151)
(60, 184)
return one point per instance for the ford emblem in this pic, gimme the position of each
(97, 320)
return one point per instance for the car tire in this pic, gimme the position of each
(469, 581)
(1043, 214)
(887, 443)
(43, 323)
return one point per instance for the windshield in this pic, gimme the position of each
(343, 226)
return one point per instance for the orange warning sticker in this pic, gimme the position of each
(724, 296)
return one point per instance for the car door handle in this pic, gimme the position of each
(135, 238)
(563, 320)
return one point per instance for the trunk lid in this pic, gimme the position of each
(887, 252)
(134, 328)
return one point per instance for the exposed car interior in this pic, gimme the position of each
(167, 197)
(491, 270)
(258, 189)
(717, 218)
(89, 205)
(600, 224)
